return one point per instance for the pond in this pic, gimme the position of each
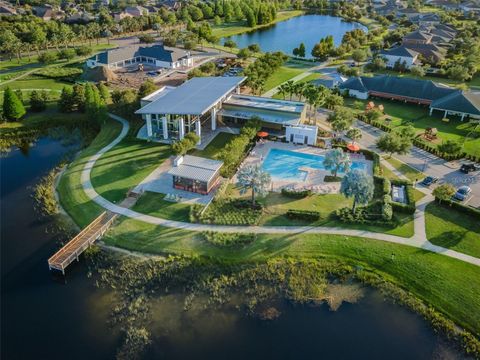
(287, 35)
(44, 317)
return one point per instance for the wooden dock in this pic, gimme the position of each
(72, 250)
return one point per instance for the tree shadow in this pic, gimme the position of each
(448, 239)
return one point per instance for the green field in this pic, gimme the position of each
(281, 75)
(154, 204)
(125, 166)
(452, 229)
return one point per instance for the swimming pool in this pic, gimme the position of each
(285, 164)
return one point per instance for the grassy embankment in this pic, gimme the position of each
(400, 114)
(445, 283)
(235, 28)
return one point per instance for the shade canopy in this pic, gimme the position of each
(353, 147)
(262, 134)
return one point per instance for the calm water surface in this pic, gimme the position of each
(287, 35)
(45, 318)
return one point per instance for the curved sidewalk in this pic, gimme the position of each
(418, 240)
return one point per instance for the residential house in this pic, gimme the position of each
(402, 55)
(47, 12)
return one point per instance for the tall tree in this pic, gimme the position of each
(393, 143)
(359, 185)
(13, 109)
(337, 160)
(354, 134)
(253, 177)
(341, 119)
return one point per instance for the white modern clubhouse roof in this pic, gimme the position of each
(194, 97)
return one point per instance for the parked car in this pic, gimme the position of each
(467, 168)
(463, 192)
(429, 180)
(152, 73)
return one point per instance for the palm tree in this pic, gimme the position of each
(255, 178)
(299, 89)
(283, 90)
(336, 160)
(290, 87)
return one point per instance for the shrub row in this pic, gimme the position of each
(383, 183)
(237, 149)
(364, 215)
(69, 74)
(296, 194)
(228, 239)
(228, 212)
(331, 178)
(460, 207)
(303, 215)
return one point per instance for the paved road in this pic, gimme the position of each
(427, 163)
(418, 240)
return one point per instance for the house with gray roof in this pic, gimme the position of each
(423, 92)
(400, 54)
(155, 55)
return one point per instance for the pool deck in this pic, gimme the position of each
(314, 179)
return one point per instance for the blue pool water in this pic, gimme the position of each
(284, 164)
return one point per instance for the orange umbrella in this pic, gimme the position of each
(353, 147)
(262, 134)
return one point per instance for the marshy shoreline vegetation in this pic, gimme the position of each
(251, 287)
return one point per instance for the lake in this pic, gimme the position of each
(46, 317)
(287, 35)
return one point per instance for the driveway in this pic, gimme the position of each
(427, 163)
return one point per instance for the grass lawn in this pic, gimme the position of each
(154, 204)
(72, 197)
(37, 83)
(215, 146)
(238, 27)
(411, 173)
(34, 63)
(125, 166)
(453, 229)
(284, 73)
(448, 284)
(276, 206)
(401, 114)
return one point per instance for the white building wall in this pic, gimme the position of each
(391, 60)
(301, 134)
(358, 94)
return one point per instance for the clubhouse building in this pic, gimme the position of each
(205, 104)
(438, 97)
(156, 56)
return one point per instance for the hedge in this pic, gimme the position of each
(460, 207)
(303, 215)
(409, 207)
(296, 194)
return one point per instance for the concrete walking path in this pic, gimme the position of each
(418, 240)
